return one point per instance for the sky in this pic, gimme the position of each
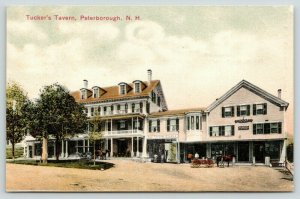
(197, 52)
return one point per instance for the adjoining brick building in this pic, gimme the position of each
(134, 118)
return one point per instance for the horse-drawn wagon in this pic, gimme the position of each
(206, 163)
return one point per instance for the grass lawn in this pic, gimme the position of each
(78, 164)
(18, 152)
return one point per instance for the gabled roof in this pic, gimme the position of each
(245, 84)
(112, 93)
(176, 112)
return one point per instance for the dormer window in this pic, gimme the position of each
(96, 92)
(122, 89)
(83, 94)
(137, 87)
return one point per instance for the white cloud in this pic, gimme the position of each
(25, 30)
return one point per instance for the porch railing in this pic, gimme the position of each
(123, 132)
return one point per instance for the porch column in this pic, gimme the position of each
(27, 155)
(132, 125)
(132, 146)
(208, 150)
(54, 147)
(111, 147)
(178, 151)
(251, 151)
(33, 150)
(88, 145)
(137, 147)
(283, 151)
(144, 147)
(76, 146)
(67, 154)
(111, 125)
(24, 152)
(83, 145)
(62, 149)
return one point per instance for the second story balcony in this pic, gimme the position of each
(123, 133)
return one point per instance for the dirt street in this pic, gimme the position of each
(128, 176)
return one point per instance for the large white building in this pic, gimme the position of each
(134, 118)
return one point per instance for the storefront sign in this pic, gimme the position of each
(167, 137)
(243, 121)
(243, 127)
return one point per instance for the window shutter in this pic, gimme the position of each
(232, 111)
(119, 107)
(168, 125)
(188, 123)
(148, 107)
(254, 109)
(150, 124)
(210, 131)
(265, 108)
(177, 124)
(200, 122)
(267, 128)
(112, 107)
(238, 110)
(279, 127)
(223, 112)
(232, 130)
(254, 128)
(220, 130)
(141, 125)
(248, 109)
(132, 107)
(158, 125)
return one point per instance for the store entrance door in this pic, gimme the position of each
(243, 151)
(259, 148)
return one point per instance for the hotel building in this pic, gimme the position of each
(135, 122)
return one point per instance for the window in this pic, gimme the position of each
(197, 122)
(123, 108)
(260, 109)
(122, 89)
(243, 110)
(192, 122)
(221, 130)
(96, 92)
(92, 111)
(154, 126)
(153, 97)
(122, 124)
(228, 111)
(83, 94)
(172, 125)
(137, 87)
(267, 128)
(158, 101)
(98, 110)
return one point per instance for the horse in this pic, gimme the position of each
(102, 153)
(225, 158)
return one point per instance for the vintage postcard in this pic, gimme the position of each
(149, 99)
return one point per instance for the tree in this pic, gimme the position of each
(16, 101)
(95, 134)
(57, 114)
